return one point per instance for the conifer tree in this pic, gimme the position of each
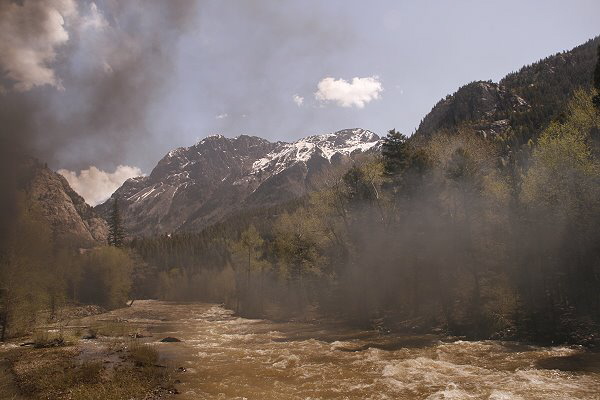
(396, 152)
(116, 234)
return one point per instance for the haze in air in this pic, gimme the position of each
(299, 200)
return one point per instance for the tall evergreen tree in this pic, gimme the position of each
(396, 152)
(403, 163)
(116, 233)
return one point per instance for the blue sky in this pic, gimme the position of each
(239, 67)
(107, 83)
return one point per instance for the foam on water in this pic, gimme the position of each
(230, 357)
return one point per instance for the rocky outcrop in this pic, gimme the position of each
(197, 186)
(522, 104)
(485, 105)
(72, 220)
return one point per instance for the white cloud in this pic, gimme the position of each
(298, 100)
(95, 185)
(348, 94)
(222, 116)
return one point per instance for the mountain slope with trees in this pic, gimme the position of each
(55, 254)
(447, 233)
(522, 104)
(197, 186)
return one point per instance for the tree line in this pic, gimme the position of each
(461, 233)
(41, 274)
(456, 233)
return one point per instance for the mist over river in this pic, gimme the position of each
(228, 357)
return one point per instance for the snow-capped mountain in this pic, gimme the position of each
(193, 187)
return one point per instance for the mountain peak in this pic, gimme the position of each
(343, 143)
(192, 187)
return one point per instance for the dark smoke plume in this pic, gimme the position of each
(78, 78)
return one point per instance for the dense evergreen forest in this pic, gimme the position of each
(454, 233)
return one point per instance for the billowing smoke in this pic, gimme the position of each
(86, 73)
(77, 79)
(31, 33)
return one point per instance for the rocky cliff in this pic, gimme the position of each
(72, 220)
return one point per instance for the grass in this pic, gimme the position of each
(143, 355)
(111, 329)
(43, 339)
(125, 383)
(57, 373)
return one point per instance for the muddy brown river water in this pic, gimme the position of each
(227, 357)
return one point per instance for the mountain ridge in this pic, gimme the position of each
(521, 104)
(196, 186)
(193, 187)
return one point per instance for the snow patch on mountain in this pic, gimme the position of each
(193, 187)
(346, 142)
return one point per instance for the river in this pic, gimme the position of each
(227, 357)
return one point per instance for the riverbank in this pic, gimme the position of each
(91, 356)
(222, 355)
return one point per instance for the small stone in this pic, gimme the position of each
(170, 339)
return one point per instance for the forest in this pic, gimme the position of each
(452, 235)
(471, 236)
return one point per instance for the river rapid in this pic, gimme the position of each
(228, 357)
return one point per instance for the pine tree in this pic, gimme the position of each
(116, 234)
(396, 152)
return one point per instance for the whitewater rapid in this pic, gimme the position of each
(227, 357)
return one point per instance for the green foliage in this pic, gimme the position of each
(248, 249)
(297, 243)
(564, 177)
(404, 164)
(461, 167)
(561, 191)
(106, 277)
(459, 232)
(547, 86)
(26, 265)
(396, 152)
(39, 275)
(359, 188)
(116, 233)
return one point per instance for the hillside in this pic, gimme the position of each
(522, 104)
(72, 220)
